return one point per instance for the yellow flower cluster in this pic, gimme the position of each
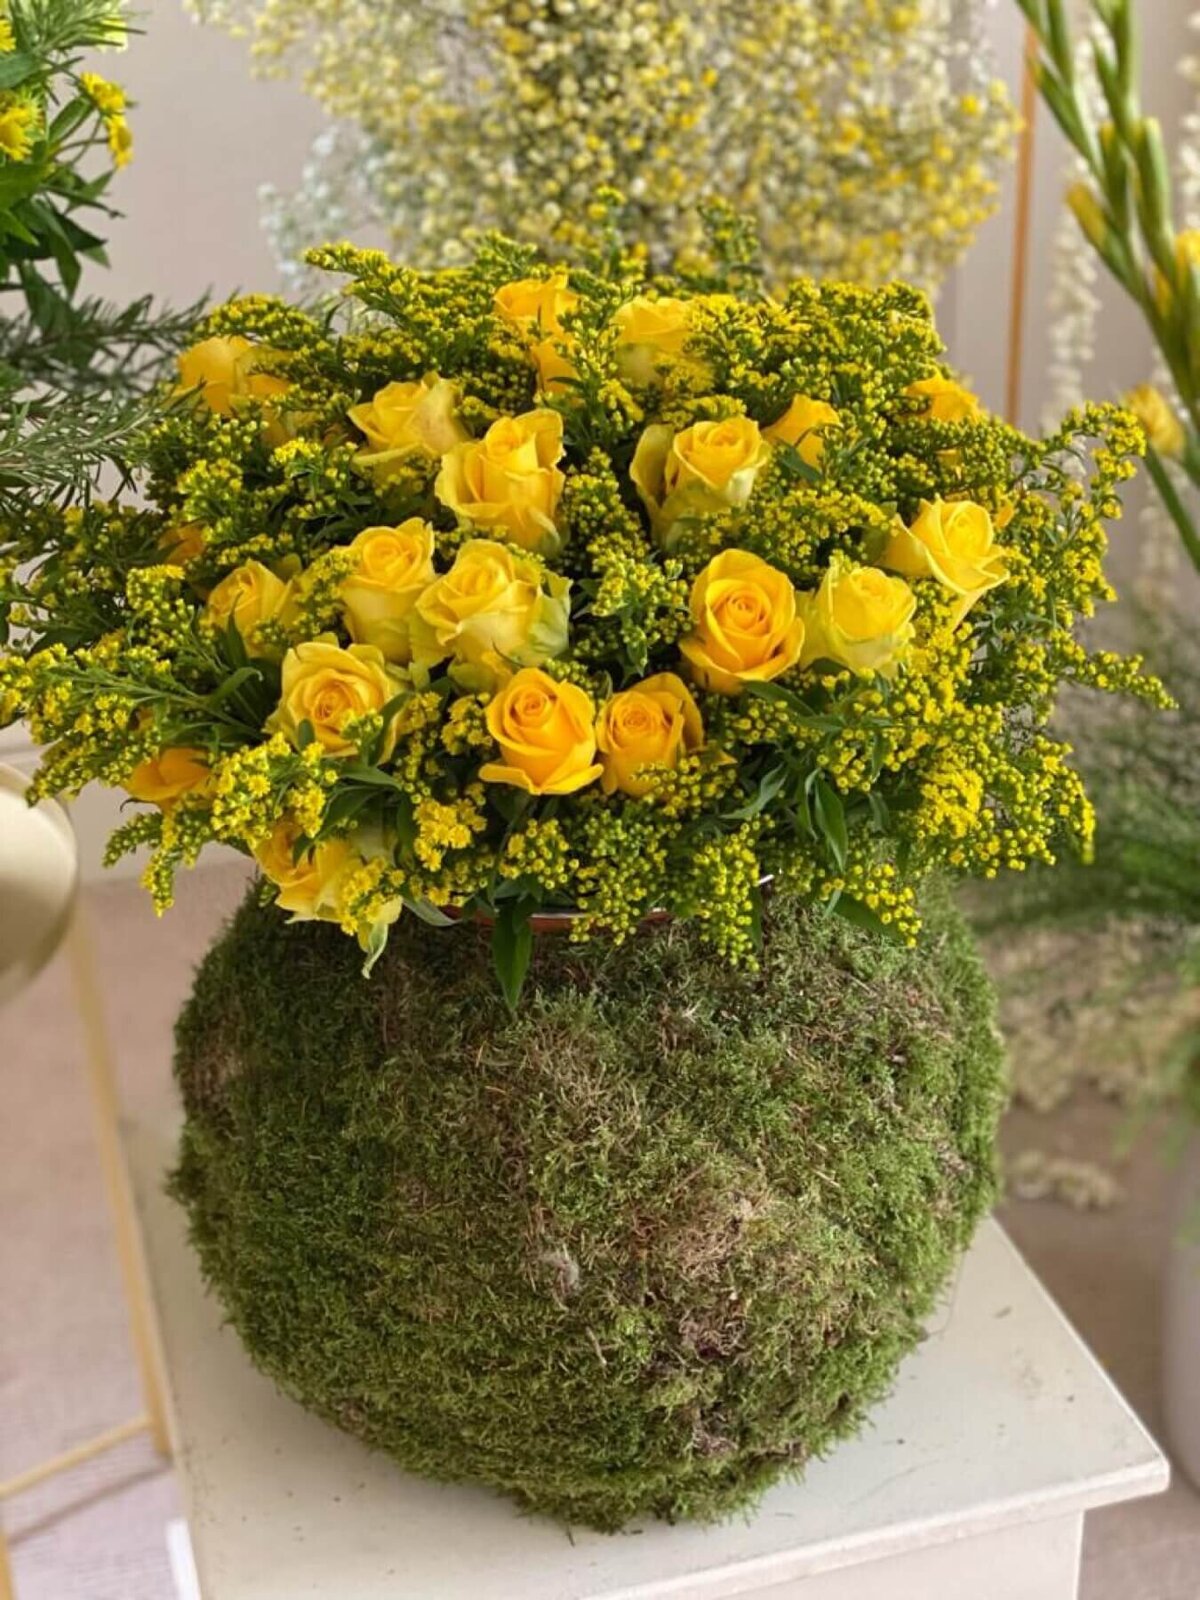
(865, 136)
(551, 588)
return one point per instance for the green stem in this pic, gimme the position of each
(1175, 506)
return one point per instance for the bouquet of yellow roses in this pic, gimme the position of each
(511, 588)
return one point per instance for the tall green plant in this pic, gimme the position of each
(1126, 209)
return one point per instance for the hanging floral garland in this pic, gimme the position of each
(865, 136)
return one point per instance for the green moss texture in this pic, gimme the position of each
(642, 1249)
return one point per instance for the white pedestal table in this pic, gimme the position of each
(970, 1483)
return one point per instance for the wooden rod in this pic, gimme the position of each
(75, 1457)
(7, 1590)
(1018, 309)
(101, 1075)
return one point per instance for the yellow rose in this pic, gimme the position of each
(546, 733)
(250, 596)
(227, 370)
(168, 776)
(182, 544)
(804, 426)
(747, 627)
(536, 307)
(309, 884)
(704, 468)
(859, 618)
(946, 401)
(652, 337)
(508, 483)
(394, 566)
(328, 687)
(1164, 431)
(650, 725)
(406, 422)
(495, 609)
(953, 541)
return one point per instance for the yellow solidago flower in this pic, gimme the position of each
(120, 140)
(108, 98)
(19, 126)
(8, 42)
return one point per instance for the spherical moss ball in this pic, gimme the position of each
(656, 1240)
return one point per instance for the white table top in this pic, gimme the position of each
(1002, 1417)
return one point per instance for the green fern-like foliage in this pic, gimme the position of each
(73, 368)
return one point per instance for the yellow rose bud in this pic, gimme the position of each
(704, 468)
(495, 610)
(953, 541)
(535, 307)
(747, 628)
(1164, 431)
(650, 725)
(946, 401)
(168, 776)
(859, 618)
(1089, 213)
(508, 483)
(546, 733)
(309, 883)
(652, 337)
(250, 596)
(328, 687)
(228, 370)
(804, 425)
(405, 422)
(394, 567)
(1187, 249)
(1187, 256)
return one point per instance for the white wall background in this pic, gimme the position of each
(207, 135)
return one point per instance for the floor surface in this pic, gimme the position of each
(65, 1369)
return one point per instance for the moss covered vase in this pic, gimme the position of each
(640, 1249)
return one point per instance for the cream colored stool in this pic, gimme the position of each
(39, 908)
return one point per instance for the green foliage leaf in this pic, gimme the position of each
(829, 812)
(852, 910)
(512, 948)
(15, 68)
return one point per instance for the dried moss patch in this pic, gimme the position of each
(655, 1241)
